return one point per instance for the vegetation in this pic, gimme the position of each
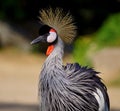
(81, 49)
(109, 33)
(107, 36)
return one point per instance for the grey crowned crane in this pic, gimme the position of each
(69, 87)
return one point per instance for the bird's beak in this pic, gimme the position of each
(38, 39)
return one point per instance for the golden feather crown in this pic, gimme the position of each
(60, 21)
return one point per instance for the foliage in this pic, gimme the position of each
(109, 33)
(107, 36)
(81, 50)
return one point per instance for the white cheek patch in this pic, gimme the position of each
(52, 37)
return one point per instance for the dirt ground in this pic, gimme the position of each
(19, 75)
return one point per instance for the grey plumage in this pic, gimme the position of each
(69, 87)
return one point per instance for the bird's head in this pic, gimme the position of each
(55, 24)
(47, 35)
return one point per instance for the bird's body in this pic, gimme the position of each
(70, 87)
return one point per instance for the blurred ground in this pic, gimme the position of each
(19, 73)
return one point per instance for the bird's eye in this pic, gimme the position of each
(52, 37)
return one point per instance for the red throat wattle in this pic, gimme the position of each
(49, 49)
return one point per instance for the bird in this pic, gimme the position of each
(69, 87)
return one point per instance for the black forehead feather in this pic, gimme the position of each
(44, 29)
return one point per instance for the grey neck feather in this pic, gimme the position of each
(55, 58)
(51, 75)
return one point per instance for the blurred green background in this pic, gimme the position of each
(97, 45)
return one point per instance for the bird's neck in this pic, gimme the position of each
(51, 76)
(54, 60)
